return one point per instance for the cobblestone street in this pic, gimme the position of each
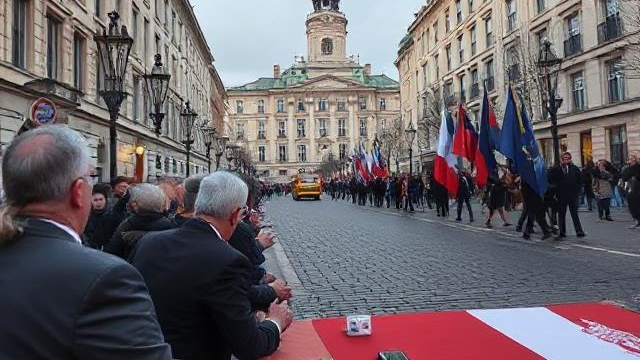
(349, 259)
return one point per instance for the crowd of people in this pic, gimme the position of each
(568, 188)
(132, 271)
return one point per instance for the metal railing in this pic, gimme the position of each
(610, 29)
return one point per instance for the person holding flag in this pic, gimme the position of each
(465, 145)
(445, 172)
(489, 139)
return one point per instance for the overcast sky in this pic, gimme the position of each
(248, 36)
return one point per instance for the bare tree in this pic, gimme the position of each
(630, 16)
(521, 72)
(429, 122)
(392, 140)
(330, 165)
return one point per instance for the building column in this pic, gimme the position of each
(600, 143)
(293, 133)
(311, 152)
(574, 146)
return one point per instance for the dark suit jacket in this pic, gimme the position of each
(200, 287)
(60, 300)
(568, 186)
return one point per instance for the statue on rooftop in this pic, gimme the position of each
(335, 5)
(317, 5)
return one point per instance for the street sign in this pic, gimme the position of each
(43, 112)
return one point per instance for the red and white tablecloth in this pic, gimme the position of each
(563, 332)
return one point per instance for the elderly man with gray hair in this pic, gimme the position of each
(61, 300)
(147, 204)
(199, 284)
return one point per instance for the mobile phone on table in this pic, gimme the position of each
(392, 355)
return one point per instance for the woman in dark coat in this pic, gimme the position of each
(631, 176)
(498, 197)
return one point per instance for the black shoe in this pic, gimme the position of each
(518, 228)
(546, 236)
(471, 220)
(562, 236)
(581, 234)
(458, 219)
(608, 218)
(526, 236)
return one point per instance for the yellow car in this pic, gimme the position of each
(302, 187)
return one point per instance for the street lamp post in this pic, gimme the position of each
(410, 134)
(157, 84)
(114, 48)
(209, 136)
(188, 119)
(548, 69)
(221, 145)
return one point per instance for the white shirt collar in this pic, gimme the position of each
(67, 229)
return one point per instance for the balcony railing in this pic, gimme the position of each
(475, 91)
(573, 45)
(282, 136)
(610, 29)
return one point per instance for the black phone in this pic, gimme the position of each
(392, 355)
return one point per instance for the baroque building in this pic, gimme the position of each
(47, 51)
(326, 103)
(456, 48)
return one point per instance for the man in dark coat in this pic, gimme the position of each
(465, 186)
(199, 284)
(568, 181)
(61, 300)
(631, 176)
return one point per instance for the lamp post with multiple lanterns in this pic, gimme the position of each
(157, 84)
(410, 135)
(549, 65)
(188, 120)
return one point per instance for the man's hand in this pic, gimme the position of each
(282, 289)
(281, 314)
(268, 278)
(266, 239)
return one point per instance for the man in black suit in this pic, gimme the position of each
(568, 180)
(200, 284)
(61, 300)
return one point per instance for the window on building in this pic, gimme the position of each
(282, 128)
(615, 80)
(166, 14)
(19, 48)
(322, 126)
(383, 104)
(302, 131)
(167, 164)
(448, 53)
(145, 36)
(363, 127)
(425, 74)
(300, 106)
(78, 61)
(540, 6)
(435, 32)
(342, 105)
(157, 42)
(475, 85)
(471, 5)
(173, 26)
(459, 15)
(262, 129)
(260, 106)
(461, 49)
(362, 100)
(240, 131)
(577, 83)
(322, 104)
(447, 22)
(618, 145)
(342, 151)
(302, 153)
(488, 30)
(512, 17)
(98, 8)
(134, 30)
(53, 46)
(342, 127)
(280, 106)
(383, 124)
(463, 89)
(437, 61)
(282, 152)
(136, 98)
(474, 39)
(573, 44)
(490, 77)
(239, 107)
(175, 166)
(262, 154)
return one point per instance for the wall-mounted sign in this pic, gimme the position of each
(43, 112)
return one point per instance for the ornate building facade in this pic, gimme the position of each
(325, 104)
(47, 51)
(457, 47)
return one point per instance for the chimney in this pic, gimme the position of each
(367, 69)
(276, 71)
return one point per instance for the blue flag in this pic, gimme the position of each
(518, 143)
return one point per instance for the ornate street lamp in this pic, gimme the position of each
(220, 146)
(549, 65)
(113, 50)
(209, 136)
(410, 135)
(157, 84)
(188, 120)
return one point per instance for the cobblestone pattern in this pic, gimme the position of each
(350, 260)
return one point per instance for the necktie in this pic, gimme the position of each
(566, 170)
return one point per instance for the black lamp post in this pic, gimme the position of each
(209, 135)
(188, 119)
(113, 49)
(221, 145)
(548, 69)
(410, 134)
(157, 84)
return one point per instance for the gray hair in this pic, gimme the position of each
(191, 189)
(148, 197)
(220, 194)
(41, 164)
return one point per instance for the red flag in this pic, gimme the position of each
(465, 140)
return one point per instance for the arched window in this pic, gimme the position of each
(327, 46)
